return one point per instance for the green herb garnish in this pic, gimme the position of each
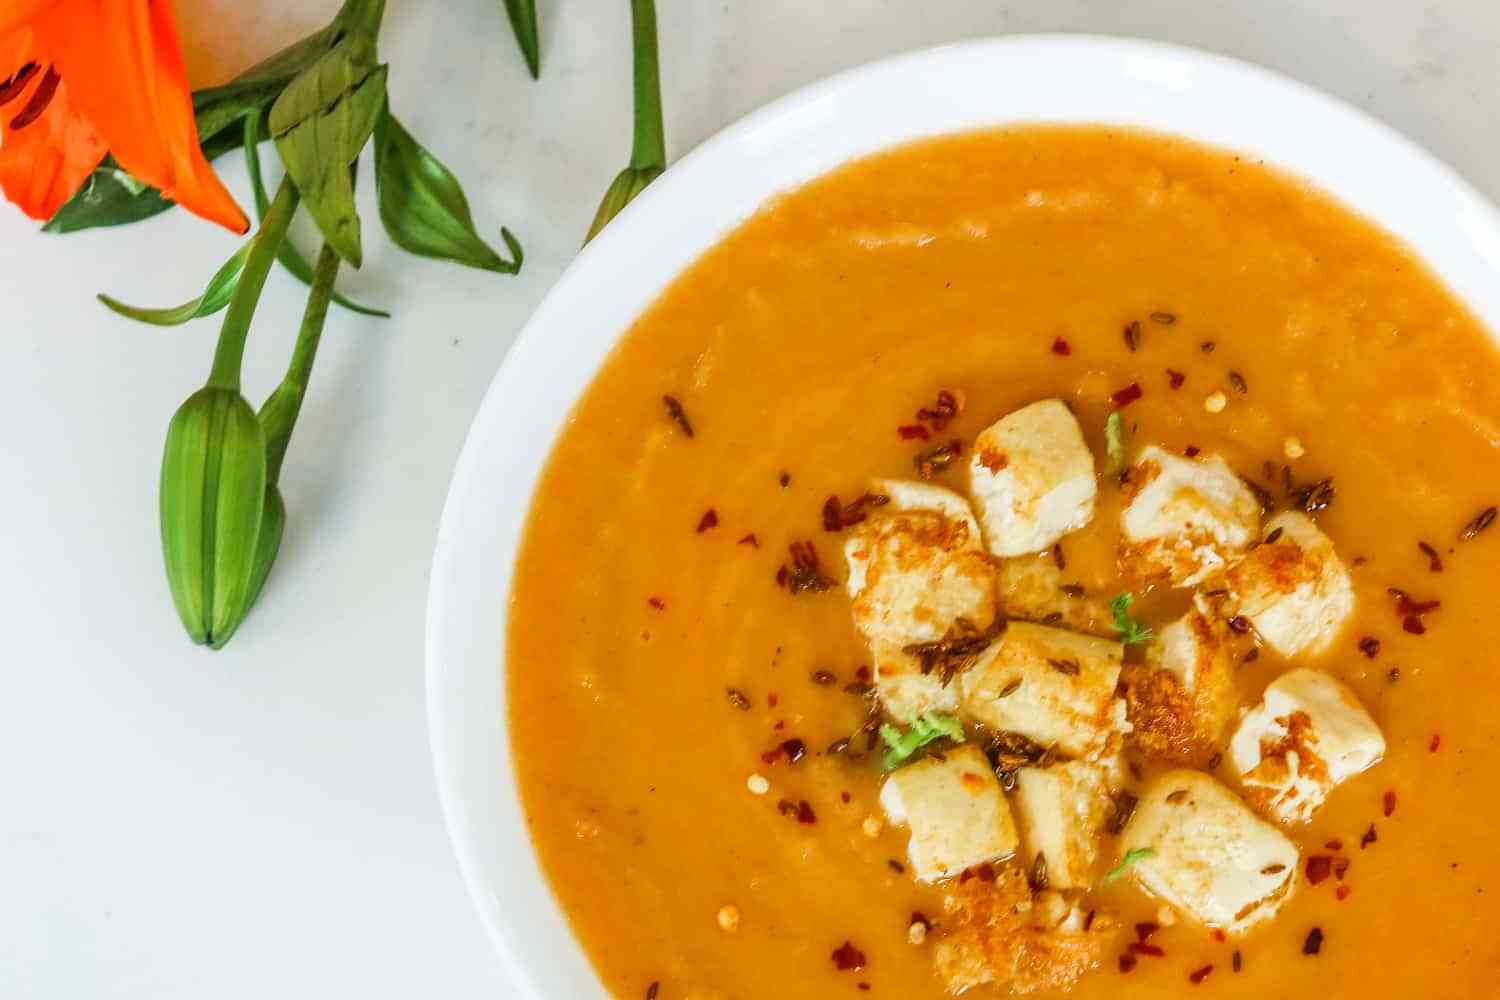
(1114, 441)
(925, 729)
(1131, 631)
(1133, 857)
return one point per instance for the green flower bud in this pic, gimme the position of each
(213, 500)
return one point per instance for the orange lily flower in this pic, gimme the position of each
(79, 78)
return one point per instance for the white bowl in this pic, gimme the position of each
(1001, 81)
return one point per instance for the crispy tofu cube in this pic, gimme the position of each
(1032, 588)
(998, 933)
(955, 808)
(1294, 590)
(911, 494)
(904, 691)
(914, 573)
(1183, 699)
(1184, 519)
(1307, 735)
(1062, 812)
(1210, 855)
(1032, 478)
(1054, 687)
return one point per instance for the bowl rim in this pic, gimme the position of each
(1456, 232)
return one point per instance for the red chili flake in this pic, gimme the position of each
(1319, 866)
(846, 957)
(833, 514)
(1434, 561)
(913, 432)
(1127, 395)
(1198, 975)
(794, 749)
(772, 700)
(750, 540)
(805, 575)
(710, 519)
(1141, 948)
(1342, 893)
(844, 797)
(786, 480)
(863, 986)
(786, 807)
(1144, 930)
(930, 463)
(1369, 838)
(1061, 348)
(965, 875)
(1335, 845)
(1237, 962)
(1127, 962)
(1175, 378)
(771, 756)
(1409, 607)
(862, 674)
(1370, 646)
(1341, 868)
(985, 873)
(653, 990)
(805, 813)
(657, 603)
(1219, 935)
(1413, 624)
(1389, 803)
(1437, 741)
(1191, 451)
(918, 917)
(781, 576)
(949, 405)
(1314, 942)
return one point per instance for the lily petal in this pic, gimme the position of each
(122, 65)
(42, 164)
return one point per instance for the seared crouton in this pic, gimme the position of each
(1293, 588)
(1054, 687)
(1184, 518)
(1032, 477)
(1063, 810)
(1032, 588)
(913, 574)
(998, 933)
(1308, 734)
(1201, 849)
(957, 813)
(1182, 700)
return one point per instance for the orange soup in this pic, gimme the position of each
(1166, 484)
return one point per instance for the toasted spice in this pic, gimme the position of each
(1127, 962)
(1177, 797)
(930, 463)
(1437, 741)
(1335, 844)
(1215, 761)
(957, 650)
(1192, 451)
(710, 519)
(1039, 872)
(1274, 536)
(785, 480)
(837, 747)
(1388, 803)
(1198, 975)
(1175, 379)
(1393, 675)
(678, 414)
(896, 866)
(737, 699)
(1073, 590)
(1368, 838)
(794, 749)
(1236, 962)
(1008, 752)
(1145, 929)
(1481, 521)
(824, 677)
(1238, 382)
(805, 813)
(1370, 646)
(657, 603)
(1207, 347)
(1163, 318)
(1319, 867)
(653, 990)
(1133, 335)
(1127, 395)
(913, 432)
(1068, 668)
(1010, 689)
(1239, 624)
(1141, 948)
(1061, 348)
(1342, 893)
(949, 405)
(1251, 655)
(1314, 942)
(804, 576)
(1434, 561)
(846, 957)
(1273, 869)
(1057, 556)
(750, 540)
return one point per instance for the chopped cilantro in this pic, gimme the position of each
(925, 729)
(1114, 441)
(1131, 631)
(1133, 857)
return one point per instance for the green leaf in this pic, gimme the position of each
(522, 15)
(925, 729)
(215, 297)
(320, 123)
(424, 208)
(1131, 631)
(1133, 857)
(1114, 440)
(289, 256)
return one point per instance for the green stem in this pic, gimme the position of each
(230, 352)
(650, 149)
(365, 14)
(279, 415)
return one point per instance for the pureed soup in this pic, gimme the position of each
(1166, 487)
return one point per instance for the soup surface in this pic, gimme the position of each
(658, 671)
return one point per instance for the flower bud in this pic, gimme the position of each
(213, 498)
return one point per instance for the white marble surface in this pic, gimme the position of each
(262, 822)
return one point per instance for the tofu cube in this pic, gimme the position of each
(1184, 519)
(911, 494)
(1183, 699)
(1062, 812)
(1032, 588)
(1056, 688)
(1294, 590)
(1032, 477)
(955, 808)
(1308, 734)
(1209, 854)
(904, 691)
(914, 573)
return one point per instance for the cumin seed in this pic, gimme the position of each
(1481, 521)
(679, 416)
(1164, 318)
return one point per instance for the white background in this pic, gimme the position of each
(262, 821)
